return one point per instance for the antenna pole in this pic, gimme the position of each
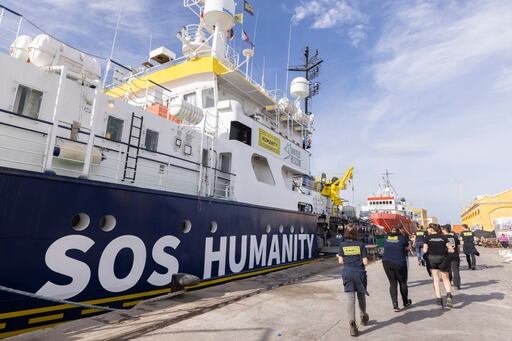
(107, 70)
(288, 63)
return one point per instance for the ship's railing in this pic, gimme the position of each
(10, 27)
(23, 141)
(127, 85)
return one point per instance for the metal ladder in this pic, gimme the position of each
(132, 152)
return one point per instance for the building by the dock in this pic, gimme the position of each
(490, 212)
(420, 216)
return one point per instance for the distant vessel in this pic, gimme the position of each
(387, 210)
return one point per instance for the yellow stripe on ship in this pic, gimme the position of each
(95, 302)
(131, 304)
(28, 330)
(247, 274)
(90, 311)
(35, 320)
(2, 325)
(148, 293)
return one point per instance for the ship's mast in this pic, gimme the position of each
(311, 68)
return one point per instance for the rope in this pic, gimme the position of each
(56, 300)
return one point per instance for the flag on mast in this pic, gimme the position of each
(248, 7)
(246, 38)
(239, 18)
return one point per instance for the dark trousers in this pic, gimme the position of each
(397, 276)
(455, 271)
(470, 257)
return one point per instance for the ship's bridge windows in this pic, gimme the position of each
(262, 170)
(240, 132)
(28, 101)
(208, 98)
(151, 141)
(114, 129)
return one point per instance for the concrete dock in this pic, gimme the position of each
(307, 303)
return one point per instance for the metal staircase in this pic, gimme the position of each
(132, 152)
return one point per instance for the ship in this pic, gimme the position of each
(387, 210)
(113, 182)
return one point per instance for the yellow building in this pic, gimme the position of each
(420, 216)
(489, 212)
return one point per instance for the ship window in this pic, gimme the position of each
(240, 132)
(225, 162)
(28, 101)
(114, 129)
(190, 98)
(262, 170)
(151, 142)
(208, 98)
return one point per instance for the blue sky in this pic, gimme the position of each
(422, 88)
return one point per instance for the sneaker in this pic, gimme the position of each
(473, 268)
(439, 302)
(364, 319)
(396, 309)
(449, 300)
(458, 287)
(409, 302)
(353, 329)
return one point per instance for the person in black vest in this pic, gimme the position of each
(437, 247)
(418, 241)
(453, 256)
(468, 239)
(394, 261)
(353, 257)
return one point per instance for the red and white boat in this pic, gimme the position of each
(387, 210)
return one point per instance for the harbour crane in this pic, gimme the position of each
(332, 189)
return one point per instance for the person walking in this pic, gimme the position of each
(453, 257)
(394, 261)
(437, 247)
(418, 241)
(504, 241)
(353, 257)
(468, 246)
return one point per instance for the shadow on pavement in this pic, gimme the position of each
(266, 333)
(470, 285)
(411, 316)
(413, 284)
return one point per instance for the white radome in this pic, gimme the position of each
(219, 13)
(300, 88)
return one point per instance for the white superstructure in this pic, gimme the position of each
(196, 124)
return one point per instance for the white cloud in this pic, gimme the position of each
(333, 13)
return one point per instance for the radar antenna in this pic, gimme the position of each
(312, 71)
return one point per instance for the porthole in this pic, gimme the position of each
(108, 223)
(213, 227)
(80, 221)
(302, 229)
(281, 228)
(186, 226)
(269, 228)
(292, 229)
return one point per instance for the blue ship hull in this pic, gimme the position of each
(41, 253)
